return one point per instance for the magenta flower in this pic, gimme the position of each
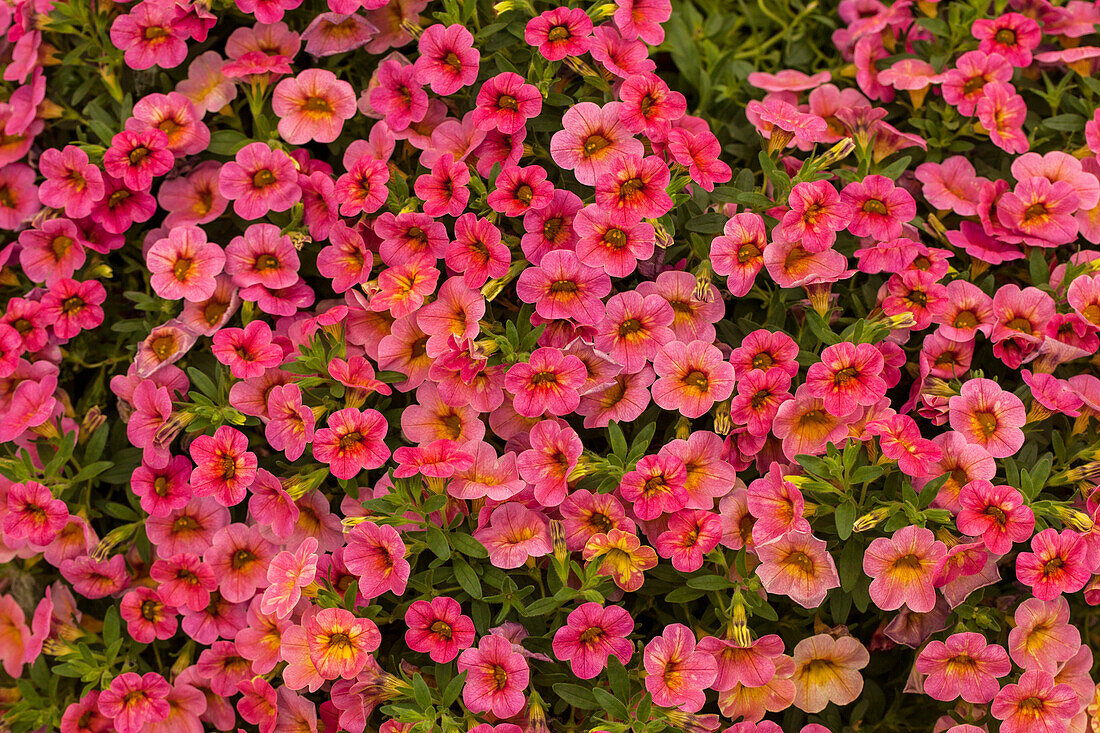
(505, 103)
(496, 677)
(549, 381)
(1058, 563)
(560, 32)
(591, 634)
(1012, 35)
(997, 514)
(438, 628)
(879, 208)
(133, 701)
(377, 556)
(33, 513)
(224, 467)
(444, 189)
(678, 673)
(448, 60)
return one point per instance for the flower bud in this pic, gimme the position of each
(870, 519)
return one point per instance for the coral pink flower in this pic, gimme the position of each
(950, 185)
(512, 534)
(1058, 563)
(73, 306)
(677, 672)
(879, 208)
(505, 103)
(262, 256)
(737, 253)
(398, 96)
(163, 490)
(184, 581)
(590, 635)
(1043, 637)
(986, 415)
(798, 566)
(239, 557)
(902, 568)
(33, 513)
(147, 616)
(1041, 211)
(185, 265)
(546, 465)
(593, 140)
(780, 123)
(547, 382)
(448, 60)
(352, 441)
(827, 670)
(496, 677)
(339, 643)
(363, 188)
(248, 352)
(138, 157)
(691, 534)
(806, 427)
(634, 189)
(1001, 111)
(312, 106)
(964, 85)
(1011, 35)
(444, 189)
(699, 152)
(521, 189)
(649, 106)
(997, 514)
(438, 628)
(965, 666)
(656, 486)
(847, 375)
(150, 36)
(615, 247)
(72, 183)
(133, 701)
(1036, 704)
(377, 556)
(817, 213)
(559, 33)
(642, 19)
(622, 557)
(288, 573)
(291, 424)
(634, 328)
(692, 377)
(224, 467)
(258, 180)
(777, 505)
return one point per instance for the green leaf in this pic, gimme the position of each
(618, 440)
(467, 578)
(709, 582)
(454, 689)
(111, 625)
(610, 703)
(1037, 267)
(227, 142)
(577, 696)
(707, 223)
(845, 517)
(351, 594)
(684, 594)
(437, 542)
(203, 382)
(467, 545)
(421, 693)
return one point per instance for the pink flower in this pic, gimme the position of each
(33, 513)
(339, 643)
(72, 183)
(224, 467)
(505, 103)
(248, 352)
(133, 701)
(1037, 704)
(438, 628)
(444, 189)
(547, 382)
(591, 634)
(496, 677)
(260, 180)
(185, 265)
(649, 106)
(1058, 563)
(398, 96)
(691, 534)
(879, 208)
(699, 152)
(512, 534)
(239, 557)
(1043, 637)
(902, 568)
(377, 556)
(560, 32)
(147, 616)
(592, 140)
(678, 673)
(965, 666)
(312, 106)
(288, 573)
(656, 486)
(634, 189)
(1011, 35)
(447, 61)
(798, 566)
(352, 441)
(642, 19)
(988, 416)
(847, 376)
(997, 514)
(150, 36)
(692, 377)
(138, 157)
(817, 213)
(1041, 211)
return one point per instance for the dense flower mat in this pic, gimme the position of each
(394, 366)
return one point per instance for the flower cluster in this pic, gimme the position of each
(406, 366)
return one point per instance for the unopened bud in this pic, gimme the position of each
(113, 539)
(1075, 519)
(870, 519)
(702, 291)
(723, 423)
(838, 152)
(557, 540)
(683, 428)
(739, 623)
(92, 421)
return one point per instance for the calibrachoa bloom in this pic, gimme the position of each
(561, 365)
(496, 677)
